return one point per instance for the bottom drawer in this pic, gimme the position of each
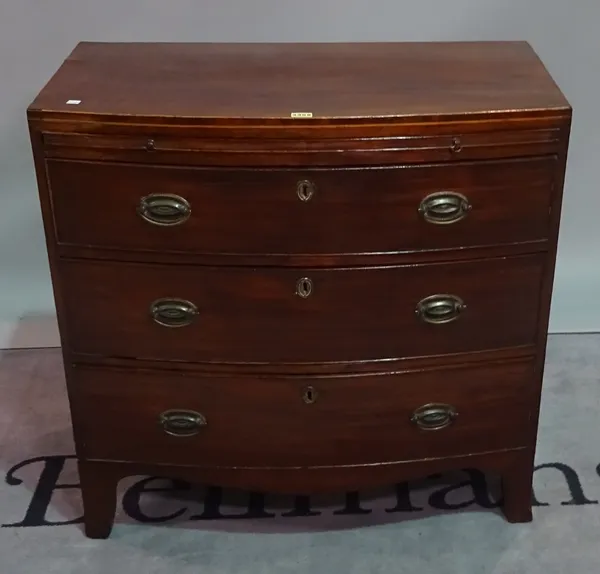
(201, 420)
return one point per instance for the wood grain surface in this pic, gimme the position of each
(333, 81)
(258, 211)
(254, 314)
(382, 126)
(264, 422)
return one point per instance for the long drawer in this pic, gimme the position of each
(191, 419)
(282, 315)
(300, 211)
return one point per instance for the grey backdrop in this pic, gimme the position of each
(36, 35)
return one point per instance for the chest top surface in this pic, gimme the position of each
(335, 82)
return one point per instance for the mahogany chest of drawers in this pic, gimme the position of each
(301, 267)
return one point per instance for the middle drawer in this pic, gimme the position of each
(283, 315)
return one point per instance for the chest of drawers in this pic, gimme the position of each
(301, 267)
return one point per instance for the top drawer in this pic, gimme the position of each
(300, 211)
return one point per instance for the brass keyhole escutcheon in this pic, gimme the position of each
(309, 396)
(304, 287)
(305, 189)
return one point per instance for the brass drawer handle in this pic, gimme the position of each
(305, 189)
(173, 312)
(182, 422)
(304, 287)
(164, 209)
(438, 309)
(444, 207)
(310, 395)
(434, 416)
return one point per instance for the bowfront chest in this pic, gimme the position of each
(301, 267)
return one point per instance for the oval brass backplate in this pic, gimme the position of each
(164, 209)
(434, 416)
(439, 309)
(444, 207)
(182, 422)
(173, 312)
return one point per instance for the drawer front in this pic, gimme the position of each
(270, 315)
(173, 418)
(308, 211)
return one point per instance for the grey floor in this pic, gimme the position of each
(447, 528)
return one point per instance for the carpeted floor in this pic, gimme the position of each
(444, 525)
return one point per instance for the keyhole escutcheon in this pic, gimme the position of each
(304, 287)
(309, 396)
(305, 189)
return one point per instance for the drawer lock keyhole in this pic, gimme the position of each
(309, 396)
(304, 287)
(305, 190)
